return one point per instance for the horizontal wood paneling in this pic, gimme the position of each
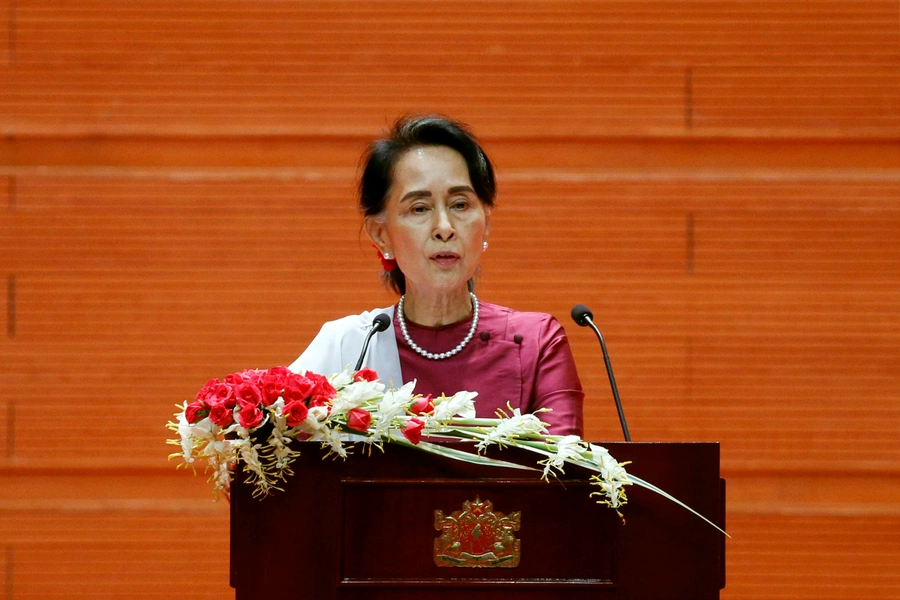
(519, 68)
(117, 554)
(801, 557)
(217, 100)
(517, 159)
(717, 180)
(747, 344)
(7, 28)
(856, 100)
(705, 32)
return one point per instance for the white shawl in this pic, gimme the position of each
(338, 344)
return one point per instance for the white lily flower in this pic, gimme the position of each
(204, 429)
(611, 491)
(460, 403)
(515, 426)
(278, 406)
(392, 405)
(267, 462)
(342, 379)
(187, 442)
(610, 470)
(334, 440)
(316, 420)
(355, 394)
(279, 421)
(569, 448)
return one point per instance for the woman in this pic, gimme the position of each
(427, 191)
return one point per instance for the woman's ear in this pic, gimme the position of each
(376, 231)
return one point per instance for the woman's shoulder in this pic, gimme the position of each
(353, 323)
(517, 319)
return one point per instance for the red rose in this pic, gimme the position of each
(253, 375)
(365, 374)
(234, 379)
(295, 412)
(208, 390)
(280, 374)
(423, 405)
(358, 419)
(221, 415)
(272, 382)
(224, 394)
(247, 393)
(412, 430)
(322, 391)
(195, 411)
(298, 389)
(270, 392)
(250, 416)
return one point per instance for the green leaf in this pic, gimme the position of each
(646, 485)
(460, 455)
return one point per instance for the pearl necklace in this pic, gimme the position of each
(442, 355)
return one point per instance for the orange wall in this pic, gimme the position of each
(719, 181)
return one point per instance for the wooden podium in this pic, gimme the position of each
(365, 528)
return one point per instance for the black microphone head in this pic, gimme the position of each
(381, 322)
(581, 314)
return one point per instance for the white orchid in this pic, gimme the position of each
(340, 380)
(392, 405)
(609, 468)
(509, 428)
(334, 441)
(186, 441)
(316, 420)
(266, 462)
(611, 479)
(459, 404)
(568, 449)
(355, 394)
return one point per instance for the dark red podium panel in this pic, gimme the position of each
(364, 528)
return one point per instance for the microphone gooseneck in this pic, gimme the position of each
(583, 316)
(379, 323)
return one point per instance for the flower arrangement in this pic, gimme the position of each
(259, 419)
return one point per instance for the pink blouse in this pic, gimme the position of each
(518, 358)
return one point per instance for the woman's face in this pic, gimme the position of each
(433, 224)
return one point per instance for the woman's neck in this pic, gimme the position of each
(437, 309)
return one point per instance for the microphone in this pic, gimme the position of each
(379, 323)
(582, 315)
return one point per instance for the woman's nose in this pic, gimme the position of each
(443, 228)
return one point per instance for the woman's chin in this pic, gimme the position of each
(443, 281)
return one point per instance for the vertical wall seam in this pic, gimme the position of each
(11, 430)
(689, 244)
(10, 557)
(11, 306)
(689, 99)
(689, 340)
(13, 14)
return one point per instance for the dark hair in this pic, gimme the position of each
(413, 132)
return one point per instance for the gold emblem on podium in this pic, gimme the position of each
(476, 536)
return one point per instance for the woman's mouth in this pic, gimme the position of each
(445, 259)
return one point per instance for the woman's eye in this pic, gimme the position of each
(419, 209)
